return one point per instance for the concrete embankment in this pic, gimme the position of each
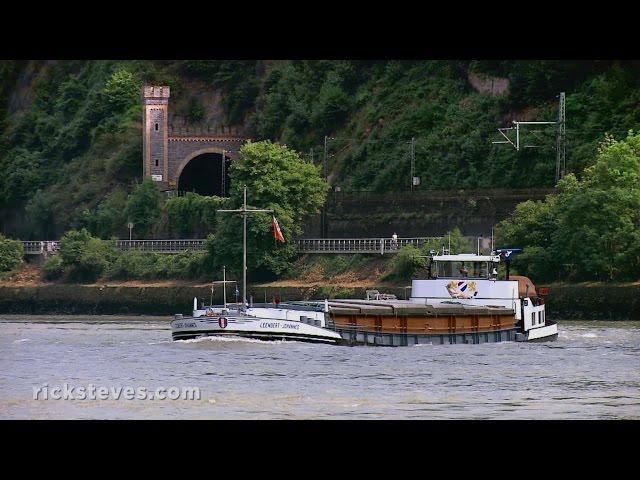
(597, 301)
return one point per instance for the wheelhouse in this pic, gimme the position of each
(464, 266)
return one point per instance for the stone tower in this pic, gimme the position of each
(155, 136)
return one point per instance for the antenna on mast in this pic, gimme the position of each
(560, 137)
(561, 140)
(245, 211)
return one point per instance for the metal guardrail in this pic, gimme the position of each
(38, 247)
(359, 245)
(307, 245)
(162, 246)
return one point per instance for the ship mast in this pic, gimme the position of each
(245, 211)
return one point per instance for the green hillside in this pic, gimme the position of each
(70, 146)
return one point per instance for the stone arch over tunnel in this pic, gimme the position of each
(205, 172)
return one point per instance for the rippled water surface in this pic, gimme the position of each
(591, 372)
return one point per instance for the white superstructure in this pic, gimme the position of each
(471, 279)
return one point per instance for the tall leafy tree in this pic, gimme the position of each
(144, 208)
(277, 178)
(591, 228)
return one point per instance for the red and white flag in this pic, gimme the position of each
(277, 233)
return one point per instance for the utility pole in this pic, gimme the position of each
(561, 140)
(324, 161)
(245, 211)
(222, 183)
(413, 159)
(323, 218)
(224, 285)
(560, 137)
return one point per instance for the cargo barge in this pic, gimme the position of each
(462, 302)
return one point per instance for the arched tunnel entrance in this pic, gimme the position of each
(206, 175)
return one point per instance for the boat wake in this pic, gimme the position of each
(218, 339)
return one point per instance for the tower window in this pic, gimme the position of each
(156, 162)
(156, 126)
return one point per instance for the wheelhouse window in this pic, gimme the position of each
(459, 269)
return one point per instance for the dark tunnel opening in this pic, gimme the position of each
(204, 175)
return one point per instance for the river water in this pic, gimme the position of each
(591, 372)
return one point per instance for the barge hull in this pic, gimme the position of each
(190, 335)
(402, 340)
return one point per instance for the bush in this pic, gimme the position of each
(406, 263)
(11, 253)
(134, 265)
(84, 257)
(193, 215)
(53, 268)
(185, 265)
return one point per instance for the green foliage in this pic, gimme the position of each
(238, 78)
(40, 212)
(196, 111)
(454, 241)
(329, 266)
(193, 215)
(133, 264)
(591, 229)
(122, 90)
(406, 263)
(70, 130)
(84, 258)
(53, 268)
(278, 179)
(73, 140)
(410, 260)
(306, 99)
(11, 253)
(144, 207)
(111, 215)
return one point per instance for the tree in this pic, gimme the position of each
(110, 217)
(590, 230)
(11, 253)
(84, 258)
(277, 178)
(599, 217)
(193, 215)
(122, 90)
(144, 207)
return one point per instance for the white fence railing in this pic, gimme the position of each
(359, 245)
(307, 245)
(162, 246)
(38, 247)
